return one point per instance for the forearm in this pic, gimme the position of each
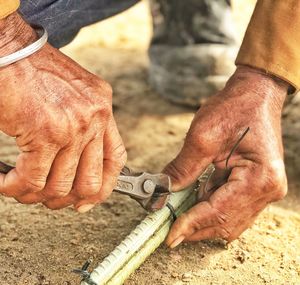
(15, 34)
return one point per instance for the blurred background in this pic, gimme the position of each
(38, 246)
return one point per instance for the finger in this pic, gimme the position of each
(60, 178)
(242, 226)
(114, 161)
(61, 203)
(88, 178)
(200, 216)
(109, 176)
(186, 167)
(238, 205)
(221, 232)
(30, 174)
(209, 233)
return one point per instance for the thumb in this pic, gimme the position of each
(186, 167)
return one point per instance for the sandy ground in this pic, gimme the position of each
(40, 247)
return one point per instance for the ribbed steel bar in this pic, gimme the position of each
(148, 248)
(140, 243)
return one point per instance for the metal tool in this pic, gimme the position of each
(150, 190)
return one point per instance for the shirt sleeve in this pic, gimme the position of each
(272, 40)
(7, 7)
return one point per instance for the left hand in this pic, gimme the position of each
(249, 99)
(71, 152)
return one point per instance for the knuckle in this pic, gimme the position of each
(55, 193)
(280, 193)
(97, 86)
(177, 172)
(276, 181)
(120, 155)
(100, 111)
(104, 111)
(34, 185)
(192, 223)
(58, 190)
(221, 218)
(193, 138)
(103, 92)
(81, 125)
(100, 105)
(199, 139)
(106, 89)
(223, 233)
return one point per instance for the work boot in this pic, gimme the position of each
(193, 49)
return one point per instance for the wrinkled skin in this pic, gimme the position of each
(250, 99)
(71, 151)
(61, 116)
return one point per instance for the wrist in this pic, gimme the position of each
(15, 34)
(272, 79)
(265, 85)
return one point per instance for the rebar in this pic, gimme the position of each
(141, 242)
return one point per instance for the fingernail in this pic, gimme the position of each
(177, 241)
(85, 208)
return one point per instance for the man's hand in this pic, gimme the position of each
(250, 99)
(61, 116)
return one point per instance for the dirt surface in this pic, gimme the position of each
(39, 246)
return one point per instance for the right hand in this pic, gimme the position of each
(251, 98)
(61, 116)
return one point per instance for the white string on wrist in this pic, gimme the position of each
(27, 51)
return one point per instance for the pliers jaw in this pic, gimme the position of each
(151, 191)
(160, 195)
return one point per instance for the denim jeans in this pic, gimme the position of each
(64, 18)
(190, 22)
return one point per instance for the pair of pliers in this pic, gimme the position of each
(150, 190)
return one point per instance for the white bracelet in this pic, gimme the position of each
(27, 51)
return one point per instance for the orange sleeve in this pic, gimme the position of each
(7, 7)
(272, 40)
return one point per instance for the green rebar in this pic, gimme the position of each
(140, 243)
(144, 239)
